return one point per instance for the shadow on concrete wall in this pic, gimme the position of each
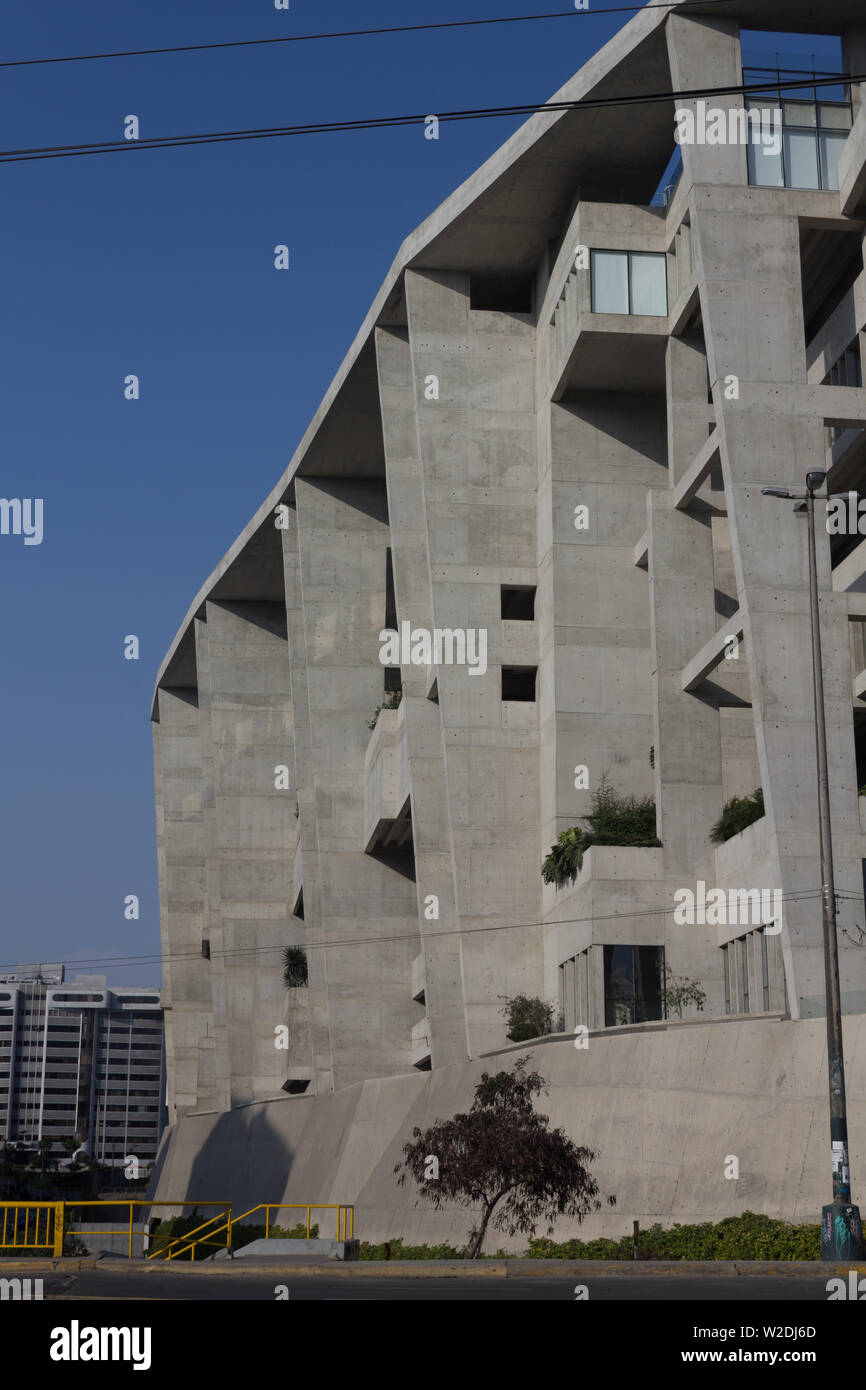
(245, 1160)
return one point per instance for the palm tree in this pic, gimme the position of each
(44, 1147)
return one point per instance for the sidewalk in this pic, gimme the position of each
(441, 1269)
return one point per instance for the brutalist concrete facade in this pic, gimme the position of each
(497, 429)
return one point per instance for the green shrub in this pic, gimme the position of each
(613, 820)
(399, 1251)
(746, 1237)
(737, 813)
(294, 967)
(527, 1018)
(391, 701)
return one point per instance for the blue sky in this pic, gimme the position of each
(160, 263)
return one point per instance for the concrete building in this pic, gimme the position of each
(547, 443)
(79, 1060)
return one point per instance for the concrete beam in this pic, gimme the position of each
(692, 480)
(711, 653)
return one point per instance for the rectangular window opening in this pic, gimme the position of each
(507, 294)
(633, 984)
(629, 282)
(814, 123)
(518, 683)
(518, 601)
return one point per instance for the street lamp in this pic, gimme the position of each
(841, 1228)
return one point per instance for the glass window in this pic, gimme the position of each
(727, 959)
(801, 160)
(835, 116)
(799, 113)
(649, 291)
(629, 282)
(765, 166)
(815, 123)
(831, 147)
(609, 282)
(632, 984)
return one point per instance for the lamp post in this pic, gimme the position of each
(841, 1228)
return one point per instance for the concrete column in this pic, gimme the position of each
(752, 310)
(706, 53)
(688, 764)
(690, 413)
(255, 827)
(368, 903)
(606, 451)
(475, 410)
(306, 867)
(445, 1004)
(854, 58)
(181, 854)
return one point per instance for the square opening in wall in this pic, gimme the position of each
(518, 682)
(518, 601)
(509, 294)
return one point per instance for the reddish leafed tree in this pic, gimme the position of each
(503, 1157)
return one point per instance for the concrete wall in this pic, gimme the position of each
(451, 453)
(664, 1106)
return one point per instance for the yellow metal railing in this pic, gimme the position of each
(190, 1240)
(43, 1224)
(128, 1227)
(41, 1228)
(345, 1217)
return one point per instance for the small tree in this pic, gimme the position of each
(527, 1018)
(504, 1158)
(44, 1148)
(294, 967)
(679, 992)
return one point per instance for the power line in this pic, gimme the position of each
(356, 33)
(385, 122)
(801, 895)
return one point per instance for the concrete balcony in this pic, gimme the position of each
(614, 881)
(420, 1036)
(585, 350)
(387, 811)
(591, 351)
(298, 1075)
(745, 861)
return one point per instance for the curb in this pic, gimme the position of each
(448, 1269)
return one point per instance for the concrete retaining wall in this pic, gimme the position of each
(664, 1106)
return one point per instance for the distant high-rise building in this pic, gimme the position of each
(79, 1060)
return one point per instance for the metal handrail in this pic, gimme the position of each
(179, 1244)
(345, 1216)
(53, 1240)
(168, 1252)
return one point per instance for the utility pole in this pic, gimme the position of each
(841, 1228)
